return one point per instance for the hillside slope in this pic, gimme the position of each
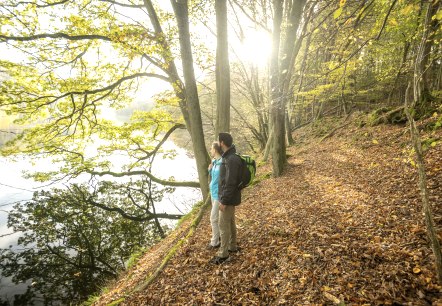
(343, 224)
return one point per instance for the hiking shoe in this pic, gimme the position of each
(212, 247)
(219, 260)
(238, 249)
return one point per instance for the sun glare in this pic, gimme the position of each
(256, 48)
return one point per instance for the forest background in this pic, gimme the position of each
(259, 69)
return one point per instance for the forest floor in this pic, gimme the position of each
(343, 225)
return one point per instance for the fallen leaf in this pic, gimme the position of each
(416, 270)
(332, 298)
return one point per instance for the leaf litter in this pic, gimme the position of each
(344, 224)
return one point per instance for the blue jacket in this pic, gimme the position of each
(214, 174)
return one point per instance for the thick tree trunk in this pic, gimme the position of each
(281, 91)
(222, 69)
(192, 100)
(276, 110)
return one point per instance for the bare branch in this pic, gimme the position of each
(123, 4)
(148, 174)
(385, 19)
(166, 136)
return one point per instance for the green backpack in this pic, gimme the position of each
(248, 170)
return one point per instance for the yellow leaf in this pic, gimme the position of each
(416, 270)
(407, 10)
(393, 22)
(435, 114)
(349, 20)
(337, 13)
(434, 143)
(326, 288)
(439, 15)
(375, 141)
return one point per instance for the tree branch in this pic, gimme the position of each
(124, 5)
(41, 5)
(149, 217)
(55, 35)
(148, 174)
(166, 136)
(98, 90)
(385, 19)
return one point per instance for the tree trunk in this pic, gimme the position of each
(170, 68)
(403, 62)
(296, 109)
(288, 129)
(196, 126)
(222, 69)
(422, 61)
(268, 146)
(276, 110)
(281, 91)
(416, 141)
(419, 87)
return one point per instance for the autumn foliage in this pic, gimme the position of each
(343, 224)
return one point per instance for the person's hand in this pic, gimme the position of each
(210, 166)
(222, 207)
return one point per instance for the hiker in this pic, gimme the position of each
(214, 168)
(229, 197)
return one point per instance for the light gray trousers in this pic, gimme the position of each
(214, 221)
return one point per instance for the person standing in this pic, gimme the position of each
(229, 197)
(214, 168)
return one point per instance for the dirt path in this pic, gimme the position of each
(343, 224)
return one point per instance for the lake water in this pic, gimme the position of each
(15, 188)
